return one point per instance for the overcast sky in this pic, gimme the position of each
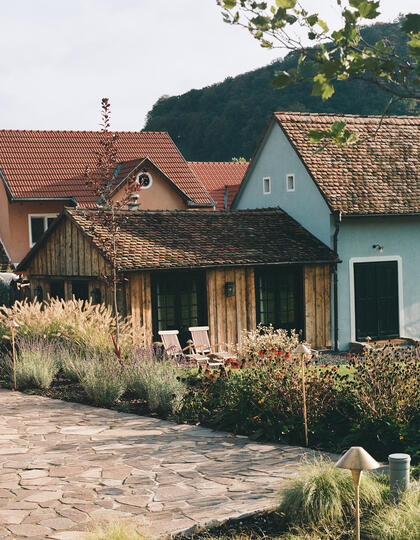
(59, 57)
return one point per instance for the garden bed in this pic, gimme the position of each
(64, 350)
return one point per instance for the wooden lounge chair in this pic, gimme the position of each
(174, 350)
(201, 343)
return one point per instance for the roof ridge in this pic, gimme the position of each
(346, 115)
(4, 130)
(80, 210)
(224, 162)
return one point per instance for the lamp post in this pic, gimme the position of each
(13, 325)
(357, 460)
(304, 351)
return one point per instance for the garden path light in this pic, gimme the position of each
(304, 351)
(13, 325)
(357, 460)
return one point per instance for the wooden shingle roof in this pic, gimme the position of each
(150, 240)
(378, 175)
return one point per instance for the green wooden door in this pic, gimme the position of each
(376, 300)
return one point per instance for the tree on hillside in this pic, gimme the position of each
(333, 54)
(101, 179)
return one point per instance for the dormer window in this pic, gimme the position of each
(290, 182)
(144, 179)
(266, 185)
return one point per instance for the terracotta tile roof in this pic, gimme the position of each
(50, 164)
(188, 239)
(219, 175)
(378, 175)
(4, 259)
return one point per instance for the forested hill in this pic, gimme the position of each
(227, 120)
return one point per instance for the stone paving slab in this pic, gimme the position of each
(64, 466)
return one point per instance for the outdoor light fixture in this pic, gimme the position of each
(303, 351)
(229, 288)
(357, 460)
(13, 325)
(378, 247)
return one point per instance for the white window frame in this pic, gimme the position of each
(354, 260)
(287, 182)
(269, 185)
(45, 216)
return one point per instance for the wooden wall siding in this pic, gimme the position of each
(317, 295)
(228, 316)
(139, 306)
(68, 252)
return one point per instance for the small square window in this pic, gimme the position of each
(290, 182)
(38, 224)
(266, 186)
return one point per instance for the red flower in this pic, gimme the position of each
(287, 355)
(261, 352)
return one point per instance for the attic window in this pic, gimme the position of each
(145, 180)
(290, 182)
(266, 186)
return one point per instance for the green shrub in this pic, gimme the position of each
(102, 379)
(36, 363)
(155, 379)
(386, 383)
(263, 401)
(400, 522)
(323, 495)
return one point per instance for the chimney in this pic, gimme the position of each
(133, 203)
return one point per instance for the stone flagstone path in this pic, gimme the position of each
(64, 466)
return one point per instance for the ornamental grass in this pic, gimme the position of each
(75, 323)
(116, 530)
(37, 363)
(152, 377)
(323, 496)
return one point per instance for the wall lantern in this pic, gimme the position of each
(230, 288)
(357, 460)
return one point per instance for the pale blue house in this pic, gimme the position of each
(363, 201)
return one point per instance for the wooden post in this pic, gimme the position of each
(356, 481)
(305, 417)
(14, 357)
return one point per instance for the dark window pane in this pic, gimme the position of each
(57, 288)
(279, 297)
(49, 221)
(179, 301)
(96, 295)
(37, 228)
(38, 293)
(80, 290)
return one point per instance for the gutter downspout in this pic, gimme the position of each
(337, 221)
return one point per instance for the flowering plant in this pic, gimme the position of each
(266, 344)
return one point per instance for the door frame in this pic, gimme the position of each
(354, 260)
